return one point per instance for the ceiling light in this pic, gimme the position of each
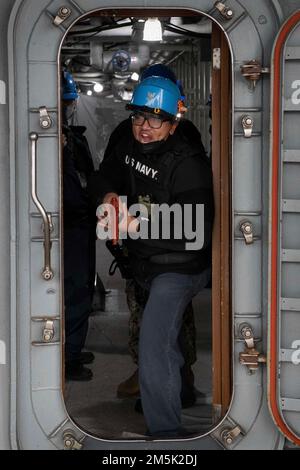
(135, 77)
(126, 95)
(152, 30)
(98, 87)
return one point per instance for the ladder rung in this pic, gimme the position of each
(292, 53)
(290, 256)
(286, 355)
(291, 205)
(290, 404)
(291, 156)
(290, 304)
(289, 106)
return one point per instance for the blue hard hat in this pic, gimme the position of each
(158, 95)
(69, 87)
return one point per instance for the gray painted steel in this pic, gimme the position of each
(33, 50)
(7, 239)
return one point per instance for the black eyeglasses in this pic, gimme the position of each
(154, 122)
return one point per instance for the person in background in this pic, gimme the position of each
(171, 273)
(79, 237)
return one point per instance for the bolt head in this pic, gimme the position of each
(68, 443)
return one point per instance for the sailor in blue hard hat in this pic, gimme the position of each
(157, 106)
(79, 235)
(160, 95)
(154, 165)
(69, 91)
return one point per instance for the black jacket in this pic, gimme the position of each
(176, 173)
(77, 169)
(185, 129)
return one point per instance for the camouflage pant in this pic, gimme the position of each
(136, 300)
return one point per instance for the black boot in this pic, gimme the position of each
(74, 370)
(86, 357)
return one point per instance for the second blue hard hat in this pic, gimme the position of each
(162, 70)
(69, 88)
(159, 70)
(158, 95)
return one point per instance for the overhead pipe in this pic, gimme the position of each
(204, 27)
(79, 75)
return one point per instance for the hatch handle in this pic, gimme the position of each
(225, 11)
(48, 331)
(248, 124)
(47, 272)
(62, 14)
(252, 71)
(246, 227)
(70, 441)
(229, 436)
(250, 358)
(45, 119)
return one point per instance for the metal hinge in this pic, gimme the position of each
(252, 71)
(62, 14)
(217, 58)
(225, 11)
(250, 357)
(45, 119)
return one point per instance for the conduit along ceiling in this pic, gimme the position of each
(107, 53)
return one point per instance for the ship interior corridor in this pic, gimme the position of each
(106, 60)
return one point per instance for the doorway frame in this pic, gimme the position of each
(221, 308)
(23, 30)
